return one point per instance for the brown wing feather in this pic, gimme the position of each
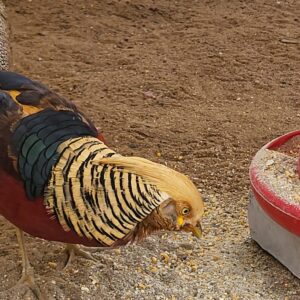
(33, 96)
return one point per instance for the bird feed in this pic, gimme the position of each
(278, 171)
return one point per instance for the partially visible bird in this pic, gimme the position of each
(59, 182)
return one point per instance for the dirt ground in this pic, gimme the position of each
(198, 85)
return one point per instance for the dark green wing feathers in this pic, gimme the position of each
(35, 142)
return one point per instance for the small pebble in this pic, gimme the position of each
(85, 289)
(52, 264)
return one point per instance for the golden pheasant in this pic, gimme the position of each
(59, 182)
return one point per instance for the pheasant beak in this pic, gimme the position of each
(195, 230)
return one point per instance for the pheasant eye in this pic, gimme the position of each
(185, 211)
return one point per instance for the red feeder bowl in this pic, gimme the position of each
(274, 222)
(282, 212)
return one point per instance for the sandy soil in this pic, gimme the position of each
(198, 85)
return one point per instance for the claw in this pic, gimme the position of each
(28, 280)
(27, 272)
(73, 250)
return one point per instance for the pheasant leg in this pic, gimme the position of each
(27, 271)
